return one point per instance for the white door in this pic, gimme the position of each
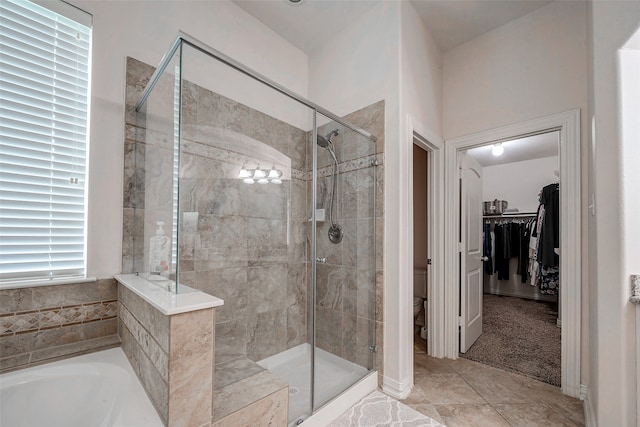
(471, 252)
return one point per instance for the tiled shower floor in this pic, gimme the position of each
(333, 375)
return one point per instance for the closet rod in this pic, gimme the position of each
(518, 215)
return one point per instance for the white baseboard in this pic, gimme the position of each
(589, 414)
(584, 391)
(399, 390)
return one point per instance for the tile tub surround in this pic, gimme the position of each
(172, 356)
(46, 323)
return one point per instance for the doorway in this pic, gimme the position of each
(421, 256)
(568, 126)
(510, 302)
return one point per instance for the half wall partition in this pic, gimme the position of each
(265, 200)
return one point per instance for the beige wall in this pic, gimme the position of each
(529, 68)
(612, 365)
(420, 71)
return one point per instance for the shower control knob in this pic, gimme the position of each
(322, 260)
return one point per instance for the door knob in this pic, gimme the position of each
(484, 258)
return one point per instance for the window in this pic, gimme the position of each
(44, 117)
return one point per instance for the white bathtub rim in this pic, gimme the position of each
(131, 405)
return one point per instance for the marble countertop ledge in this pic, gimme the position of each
(168, 303)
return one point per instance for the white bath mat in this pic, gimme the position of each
(379, 410)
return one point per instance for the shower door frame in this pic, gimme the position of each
(210, 51)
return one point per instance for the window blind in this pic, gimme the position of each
(44, 86)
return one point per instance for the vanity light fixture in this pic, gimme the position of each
(261, 176)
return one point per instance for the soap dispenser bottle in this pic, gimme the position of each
(159, 255)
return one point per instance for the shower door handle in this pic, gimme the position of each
(321, 260)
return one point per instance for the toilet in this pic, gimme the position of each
(420, 301)
(417, 307)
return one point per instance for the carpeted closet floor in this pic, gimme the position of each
(521, 336)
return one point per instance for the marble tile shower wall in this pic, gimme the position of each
(248, 243)
(243, 243)
(349, 286)
(45, 323)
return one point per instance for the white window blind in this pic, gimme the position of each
(44, 92)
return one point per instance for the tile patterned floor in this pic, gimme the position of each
(465, 393)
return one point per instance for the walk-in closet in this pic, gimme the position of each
(521, 316)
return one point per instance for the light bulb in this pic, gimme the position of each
(274, 173)
(244, 173)
(497, 149)
(259, 173)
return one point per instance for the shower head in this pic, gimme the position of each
(323, 142)
(327, 142)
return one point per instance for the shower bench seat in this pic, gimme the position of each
(246, 394)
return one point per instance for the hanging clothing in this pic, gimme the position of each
(503, 252)
(550, 280)
(488, 264)
(534, 246)
(550, 233)
(523, 256)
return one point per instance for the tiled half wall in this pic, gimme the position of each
(42, 324)
(172, 356)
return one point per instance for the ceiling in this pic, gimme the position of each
(518, 150)
(311, 23)
(453, 23)
(308, 24)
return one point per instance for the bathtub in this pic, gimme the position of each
(94, 390)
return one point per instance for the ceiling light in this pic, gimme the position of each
(497, 149)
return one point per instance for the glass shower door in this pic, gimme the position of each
(344, 275)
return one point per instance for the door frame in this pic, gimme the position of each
(568, 125)
(432, 144)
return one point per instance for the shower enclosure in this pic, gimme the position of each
(266, 201)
